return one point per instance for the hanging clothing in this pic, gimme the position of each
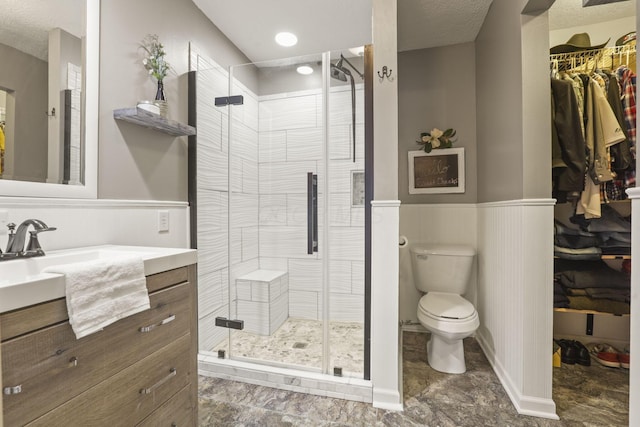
(627, 79)
(568, 145)
(601, 131)
(621, 153)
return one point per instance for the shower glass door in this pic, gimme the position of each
(295, 215)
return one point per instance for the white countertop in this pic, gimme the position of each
(22, 282)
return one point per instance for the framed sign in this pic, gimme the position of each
(440, 171)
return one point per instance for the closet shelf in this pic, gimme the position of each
(573, 310)
(616, 257)
(151, 120)
(605, 257)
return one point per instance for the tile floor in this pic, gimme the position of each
(298, 342)
(585, 396)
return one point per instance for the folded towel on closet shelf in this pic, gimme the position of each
(594, 279)
(573, 292)
(103, 291)
(575, 242)
(622, 295)
(609, 221)
(603, 305)
(582, 254)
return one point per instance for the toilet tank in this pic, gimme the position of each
(442, 268)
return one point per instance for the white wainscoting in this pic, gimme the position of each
(515, 299)
(634, 378)
(386, 366)
(437, 223)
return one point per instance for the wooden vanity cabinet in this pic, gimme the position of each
(139, 370)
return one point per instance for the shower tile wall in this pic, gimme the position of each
(290, 146)
(277, 140)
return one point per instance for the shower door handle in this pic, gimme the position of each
(312, 213)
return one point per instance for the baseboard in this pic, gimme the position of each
(411, 327)
(525, 405)
(387, 399)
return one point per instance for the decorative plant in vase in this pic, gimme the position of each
(437, 139)
(156, 65)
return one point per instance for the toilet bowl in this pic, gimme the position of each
(450, 318)
(442, 272)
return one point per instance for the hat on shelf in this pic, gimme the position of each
(577, 42)
(626, 39)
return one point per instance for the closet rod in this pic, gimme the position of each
(588, 54)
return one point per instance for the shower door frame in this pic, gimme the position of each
(368, 144)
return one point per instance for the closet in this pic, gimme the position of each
(594, 161)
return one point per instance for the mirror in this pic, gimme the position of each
(50, 122)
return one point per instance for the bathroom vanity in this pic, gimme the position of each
(140, 370)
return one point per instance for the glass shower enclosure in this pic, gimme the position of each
(280, 213)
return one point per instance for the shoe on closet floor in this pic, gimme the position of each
(624, 358)
(572, 352)
(606, 355)
(582, 354)
(568, 352)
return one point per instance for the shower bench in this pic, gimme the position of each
(262, 299)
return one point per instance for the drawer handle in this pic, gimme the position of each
(13, 390)
(150, 328)
(73, 362)
(172, 373)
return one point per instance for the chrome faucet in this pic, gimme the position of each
(15, 245)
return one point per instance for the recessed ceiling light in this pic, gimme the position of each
(286, 39)
(304, 69)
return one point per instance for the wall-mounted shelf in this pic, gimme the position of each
(151, 120)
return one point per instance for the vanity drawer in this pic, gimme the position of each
(135, 337)
(51, 366)
(128, 397)
(177, 411)
(24, 320)
(167, 278)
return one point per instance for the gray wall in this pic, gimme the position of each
(499, 103)
(26, 76)
(437, 90)
(513, 104)
(137, 163)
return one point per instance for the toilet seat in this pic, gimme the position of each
(446, 307)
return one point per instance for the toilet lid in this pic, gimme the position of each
(449, 306)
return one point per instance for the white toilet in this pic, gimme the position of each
(442, 271)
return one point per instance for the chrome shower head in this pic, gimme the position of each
(341, 72)
(338, 73)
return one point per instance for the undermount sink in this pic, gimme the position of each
(23, 283)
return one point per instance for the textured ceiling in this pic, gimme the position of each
(25, 24)
(430, 23)
(570, 13)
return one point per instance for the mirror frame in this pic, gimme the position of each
(92, 83)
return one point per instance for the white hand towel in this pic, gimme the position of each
(103, 291)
